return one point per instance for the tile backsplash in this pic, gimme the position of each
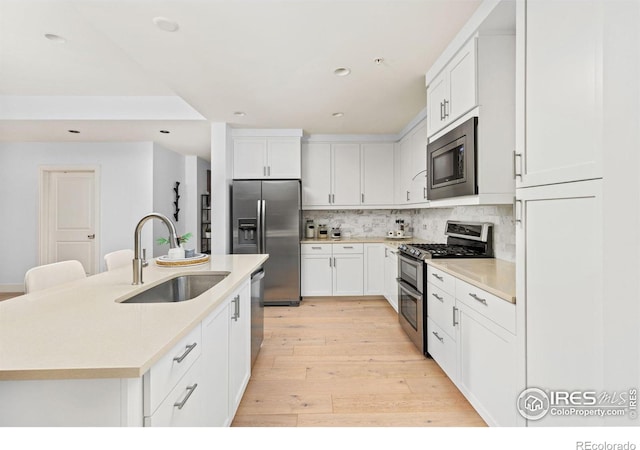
(425, 224)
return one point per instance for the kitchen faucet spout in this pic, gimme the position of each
(137, 257)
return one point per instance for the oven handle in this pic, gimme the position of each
(407, 287)
(417, 263)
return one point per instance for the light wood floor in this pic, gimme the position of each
(346, 362)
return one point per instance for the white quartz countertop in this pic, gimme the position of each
(80, 330)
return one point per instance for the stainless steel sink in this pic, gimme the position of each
(179, 289)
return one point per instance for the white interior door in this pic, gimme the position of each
(71, 218)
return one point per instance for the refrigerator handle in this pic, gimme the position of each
(259, 227)
(263, 230)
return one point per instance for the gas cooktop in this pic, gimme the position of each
(464, 240)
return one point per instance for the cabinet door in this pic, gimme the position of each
(215, 368)
(419, 157)
(406, 171)
(249, 158)
(487, 367)
(346, 174)
(348, 275)
(283, 158)
(462, 82)
(316, 275)
(374, 269)
(377, 174)
(316, 174)
(390, 275)
(562, 102)
(563, 292)
(239, 318)
(437, 92)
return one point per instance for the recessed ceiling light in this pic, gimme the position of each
(239, 113)
(165, 131)
(342, 71)
(378, 61)
(55, 38)
(337, 114)
(74, 131)
(166, 24)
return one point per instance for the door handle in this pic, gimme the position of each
(92, 236)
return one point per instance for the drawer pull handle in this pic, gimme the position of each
(455, 322)
(480, 299)
(181, 358)
(437, 336)
(316, 248)
(438, 276)
(190, 390)
(438, 297)
(347, 246)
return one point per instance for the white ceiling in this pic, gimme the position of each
(272, 59)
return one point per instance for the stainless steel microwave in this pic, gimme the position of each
(451, 163)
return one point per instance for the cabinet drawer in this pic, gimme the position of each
(315, 249)
(347, 248)
(493, 308)
(184, 406)
(440, 308)
(165, 374)
(442, 349)
(441, 279)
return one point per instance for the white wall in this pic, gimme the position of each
(168, 168)
(125, 186)
(221, 177)
(195, 186)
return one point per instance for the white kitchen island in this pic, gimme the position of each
(73, 355)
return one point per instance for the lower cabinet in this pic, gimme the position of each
(215, 362)
(239, 315)
(471, 334)
(374, 278)
(332, 269)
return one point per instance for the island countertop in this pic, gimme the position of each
(80, 330)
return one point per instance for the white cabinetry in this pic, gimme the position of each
(411, 184)
(239, 315)
(215, 362)
(471, 334)
(266, 157)
(332, 269)
(561, 109)
(390, 276)
(377, 173)
(453, 92)
(564, 294)
(347, 174)
(374, 267)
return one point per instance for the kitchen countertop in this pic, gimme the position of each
(493, 275)
(79, 330)
(366, 240)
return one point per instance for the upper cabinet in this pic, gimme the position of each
(411, 182)
(453, 92)
(347, 174)
(560, 92)
(264, 157)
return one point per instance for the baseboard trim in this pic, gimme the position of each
(11, 287)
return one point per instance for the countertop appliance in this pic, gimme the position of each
(266, 218)
(464, 240)
(451, 162)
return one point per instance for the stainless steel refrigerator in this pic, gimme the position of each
(266, 218)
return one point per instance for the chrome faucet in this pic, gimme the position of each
(138, 259)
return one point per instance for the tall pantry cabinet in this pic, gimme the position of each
(577, 207)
